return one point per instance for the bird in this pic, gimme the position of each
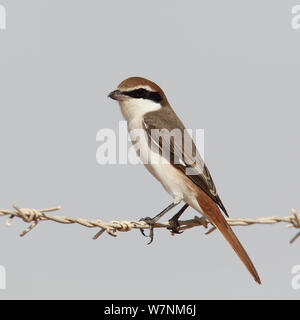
(173, 159)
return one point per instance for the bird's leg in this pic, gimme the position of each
(174, 220)
(152, 221)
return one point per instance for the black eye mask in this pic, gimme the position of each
(144, 94)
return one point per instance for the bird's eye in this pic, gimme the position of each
(137, 93)
(145, 94)
(140, 93)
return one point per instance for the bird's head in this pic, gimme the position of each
(139, 95)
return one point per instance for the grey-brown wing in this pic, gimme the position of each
(181, 151)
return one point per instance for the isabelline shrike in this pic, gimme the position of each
(174, 162)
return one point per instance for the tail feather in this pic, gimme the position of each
(214, 214)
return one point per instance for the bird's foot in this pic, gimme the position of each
(174, 225)
(150, 222)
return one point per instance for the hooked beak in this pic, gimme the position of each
(116, 95)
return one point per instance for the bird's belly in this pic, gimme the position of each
(174, 181)
(176, 184)
(171, 179)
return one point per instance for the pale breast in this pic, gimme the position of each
(173, 180)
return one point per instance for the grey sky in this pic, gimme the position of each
(231, 68)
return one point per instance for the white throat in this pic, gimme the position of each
(137, 108)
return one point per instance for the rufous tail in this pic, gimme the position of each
(214, 214)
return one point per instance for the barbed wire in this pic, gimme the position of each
(34, 216)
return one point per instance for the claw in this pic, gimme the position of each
(151, 222)
(143, 233)
(175, 230)
(151, 235)
(174, 226)
(174, 220)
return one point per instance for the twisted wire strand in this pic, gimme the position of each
(34, 216)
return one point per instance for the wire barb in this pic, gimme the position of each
(34, 216)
